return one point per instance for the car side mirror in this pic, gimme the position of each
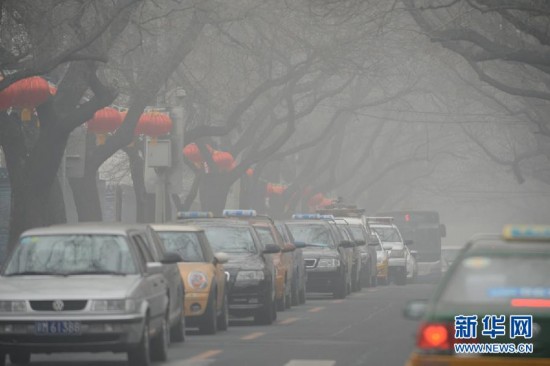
(171, 258)
(221, 257)
(299, 244)
(346, 244)
(154, 268)
(415, 309)
(409, 242)
(443, 230)
(288, 247)
(360, 243)
(271, 249)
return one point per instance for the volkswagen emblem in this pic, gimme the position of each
(58, 305)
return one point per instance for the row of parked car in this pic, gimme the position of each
(136, 288)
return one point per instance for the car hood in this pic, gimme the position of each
(246, 261)
(67, 288)
(320, 252)
(393, 245)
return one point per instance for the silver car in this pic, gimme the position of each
(83, 288)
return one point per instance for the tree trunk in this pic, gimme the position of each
(213, 192)
(86, 198)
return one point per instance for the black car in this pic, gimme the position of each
(324, 255)
(250, 271)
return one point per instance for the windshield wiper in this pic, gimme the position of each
(92, 272)
(34, 273)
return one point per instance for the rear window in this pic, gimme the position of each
(498, 279)
(357, 231)
(388, 234)
(230, 239)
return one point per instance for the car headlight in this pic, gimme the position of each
(127, 305)
(197, 280)
(250, 276)
(397, 253)
(328, 262)
(15, 306)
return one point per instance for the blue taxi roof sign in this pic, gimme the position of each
(239, 213)
(327, 217)
(195, 214)
(526, 232)
(306, 216)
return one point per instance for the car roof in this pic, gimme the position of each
(176, 227)
(218, 221)
(496, 245)
(308, 222)
(85, 228)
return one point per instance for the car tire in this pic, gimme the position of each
(140, 354)
(209, 323)
(159, 344)
(302, 294)
(401, 277)
(264, 315)
(177, 333)
(223, 319)
(295, 295)
(340, 290)
(20, 358)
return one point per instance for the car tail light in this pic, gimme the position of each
(435, 336)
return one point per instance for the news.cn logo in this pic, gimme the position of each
(493, 326)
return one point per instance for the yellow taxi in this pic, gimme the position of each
(492, 307)
(282, 261)
(203, 275)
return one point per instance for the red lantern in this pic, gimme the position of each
(105, 120)
(153, 124)
(315, 200)
(25, 94)
(223, 160)
(250, 172)
(192, 152)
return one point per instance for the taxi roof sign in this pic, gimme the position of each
(327, 217)
(239, 213)
(195, 214)
(306, 216)
(526, 232)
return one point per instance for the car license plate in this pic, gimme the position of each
(57, 328)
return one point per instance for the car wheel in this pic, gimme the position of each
(177, 333)
(159, 344)
(340, 290)
(210, 319)
(302, 294)
(223, 319)
(295, 297)
(140, 354)
(401, 277)
(264, 315)
(288, 300)
(20, 358)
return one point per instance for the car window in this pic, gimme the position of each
(357, 232)
(265, 235)
(72, 254)
(230, 239)
(143, 248)
(343, 232)
(311, 234)
(498, 279)
(387, 233)
(186, 244)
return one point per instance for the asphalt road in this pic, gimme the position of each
(366, 328)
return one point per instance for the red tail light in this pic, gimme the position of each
(435, 336)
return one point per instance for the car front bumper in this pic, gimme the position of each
(382, 270)
(247, 296)
(98, 335)
(195, 304)
(322, 281)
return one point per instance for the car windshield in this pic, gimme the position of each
(498, 279)
(230, 239)
(71, 254)
(186, 244)
(317, 235)
(449, 254)
(388, 234)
